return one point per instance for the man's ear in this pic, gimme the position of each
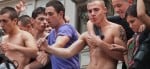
(32, 21)
(61, 13)
(105, 10)
(15, 21)
(29, 26)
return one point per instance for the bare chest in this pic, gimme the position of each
(17, 40)
(108, 38)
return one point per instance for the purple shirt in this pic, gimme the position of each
(64, 63)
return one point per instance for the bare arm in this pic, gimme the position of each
(20, 6)
(120, 39)
(61, 41)
(141, 12)
(116, 47)
(118, 55)
(30, 45)
(72, 50)
(90, 27)
(41, 60)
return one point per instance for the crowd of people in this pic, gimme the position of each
(47, 40)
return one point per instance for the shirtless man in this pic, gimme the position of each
(17, 45)
(39, 25)
(101, 55)
(120, 7)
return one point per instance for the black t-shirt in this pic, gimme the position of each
(123, 23)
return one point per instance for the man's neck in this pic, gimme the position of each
(103, 23)
(37, 34)
(61, 22)
(14, 31)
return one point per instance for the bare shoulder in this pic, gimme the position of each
(119, 31)
(26, 35)
(28, 39)
(116, 26)
(4, 38)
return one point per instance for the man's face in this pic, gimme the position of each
(134, 23)
(6, 23)
(52, 16)
(40, 22)
(23, 27)
(96, 11)
(120, 7)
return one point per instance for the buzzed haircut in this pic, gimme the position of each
(58, 6)
(93, 0)
(25, 19)
(37, 11)
(11, 11)
(104, 2)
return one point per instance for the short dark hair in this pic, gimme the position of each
(12, 12)
(58, 6)
(106, 3)
(131, 11)
(25, 19)
(37, 11)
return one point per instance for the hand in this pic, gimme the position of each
(43, 45)
(93, 40)
(40, 41)
(116, 47)
(6, 46)
(129, 41)
(42, 58)
(20, 6)
(142, 28)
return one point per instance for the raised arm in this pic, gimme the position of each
(20, 6)
(141, 12)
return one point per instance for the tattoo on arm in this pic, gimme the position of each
(123, 35)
